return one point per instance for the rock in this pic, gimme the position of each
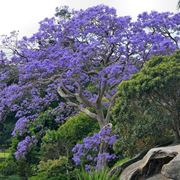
(158, 177)
(172, 169)
(161, 163)
(116, 171)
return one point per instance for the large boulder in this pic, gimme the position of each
(161, 163)
(172, 169)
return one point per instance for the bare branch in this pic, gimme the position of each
(69, 102)
(109, 55)
(88, 112)
(66, 91)
(82, 99)
(62, 94)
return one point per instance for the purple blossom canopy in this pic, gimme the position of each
(84, 57)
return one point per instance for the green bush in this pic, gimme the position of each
(146, 109)
(57, 169)
(13, 177)
(45, 121)
(6, 129)
(7, 125)
(8, 167)
(139, 131)
(60, 142)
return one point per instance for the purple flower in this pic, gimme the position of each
(93, 50)
(90, 147)
(24, 146)
(21, 126)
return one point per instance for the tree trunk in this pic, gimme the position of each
(176, 127)
(177, 136)
(101, 162)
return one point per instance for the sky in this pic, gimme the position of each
(24, 15)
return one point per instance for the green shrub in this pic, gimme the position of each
(53, 169)
(45, 121)
(8, 166)
(4, 155)
(146, 109)
(139, 131)
(6, 129)
(61, 141)
(14, 177)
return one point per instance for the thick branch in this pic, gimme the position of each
(63, 93)
(101, 92)
(109, 55)
(81, 98)
(88, 112)
(69, 102)
(110, 106)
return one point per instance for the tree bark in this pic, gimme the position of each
(176, 127)
(101, 162)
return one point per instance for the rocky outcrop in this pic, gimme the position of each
(172, 169)
(161, 163)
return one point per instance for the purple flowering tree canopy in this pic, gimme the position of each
(80, 58)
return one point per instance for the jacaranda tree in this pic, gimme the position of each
(83, 56)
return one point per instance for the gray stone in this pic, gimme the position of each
(172, 169)
(161, 163)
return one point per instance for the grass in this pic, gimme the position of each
(115, 171)
(95, 175)
(4, 154)
(122, 161)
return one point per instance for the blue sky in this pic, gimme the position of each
(24, 15)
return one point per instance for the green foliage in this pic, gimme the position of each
(139, 131)
(44, 121)
(94, 175)
(4, 154)
(115, 170)
(144, 105)
(120, 162)
(61, 141)
(13, 177)
(6, 129)
(8, 167)
(24, 169)
(159, 74)
(57, 169)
